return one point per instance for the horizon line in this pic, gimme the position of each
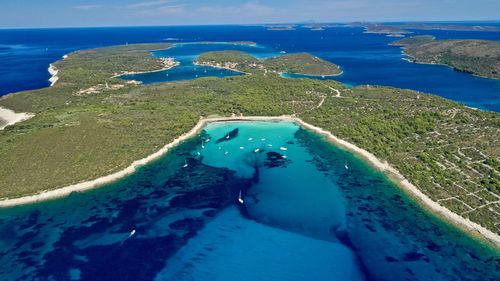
(254, 24)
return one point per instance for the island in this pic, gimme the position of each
(377, 28)
(399, 29)
(300, 63)
(479, 57)
(439, 151)
(280, 27)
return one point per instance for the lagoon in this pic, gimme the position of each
(310, 210)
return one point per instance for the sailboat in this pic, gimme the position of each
(240, 199)
(185, 164)
(346, 167)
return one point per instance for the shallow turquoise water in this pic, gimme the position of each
(305, 216)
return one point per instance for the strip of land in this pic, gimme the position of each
(301, 63)
(479, 57)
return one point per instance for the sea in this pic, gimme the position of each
(259, 200)
(364, 58)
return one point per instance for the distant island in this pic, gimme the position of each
(301, 63)
(280, 26)
(398, 29)
(479, 57)
(438, 150)
(378, 28)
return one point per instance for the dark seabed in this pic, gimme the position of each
(365, 58)
(310, 211)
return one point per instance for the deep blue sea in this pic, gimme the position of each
(365, 58)
(243, 200)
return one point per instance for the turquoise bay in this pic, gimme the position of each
(310, 211)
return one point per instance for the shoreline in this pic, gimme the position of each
(409, 58)
(53, 71)
(283, 74)
(220, 67)
(435, 208)
(169, 63)
(11, 117)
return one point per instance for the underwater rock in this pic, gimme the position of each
(229, 136)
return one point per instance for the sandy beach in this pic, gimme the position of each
(10, 117)
(473, 228)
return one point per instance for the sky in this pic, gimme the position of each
(78, 13)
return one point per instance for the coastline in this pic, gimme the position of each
(409, 58)
(468, 226)
(167, 62)
(283, 74)
(11, 117)
(53, 71)
(220, 67)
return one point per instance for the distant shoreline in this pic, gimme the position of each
(463, 223)
(168, 63)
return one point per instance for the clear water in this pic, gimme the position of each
(365, 58)
(303, 217)
(186, 54)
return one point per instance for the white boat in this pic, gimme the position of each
(283, 148)
(226, 153)
(250, 139)
(132, 233)
(346, 167)
(242, 147)
(227, 137)
(240, 198)
(256, 150)
(270, 145)
(283, 156)
(185, 164)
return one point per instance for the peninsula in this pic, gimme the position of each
(447, 151)
(479, 57)
(301, 63)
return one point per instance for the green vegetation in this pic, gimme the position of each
(448, 151)
(479, 57)
(301, 63)
(413, 40)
